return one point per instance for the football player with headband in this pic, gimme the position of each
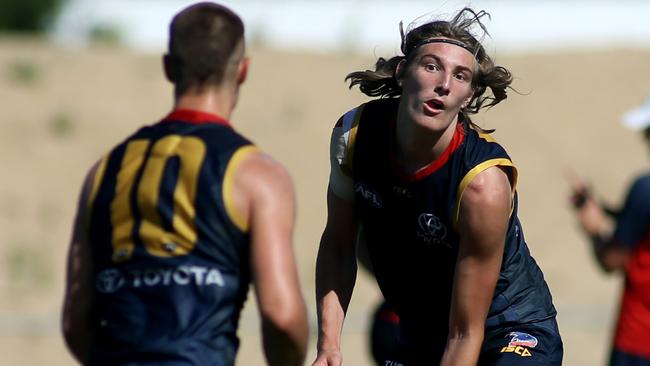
(435, 196)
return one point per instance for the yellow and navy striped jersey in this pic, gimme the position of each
(170, 252)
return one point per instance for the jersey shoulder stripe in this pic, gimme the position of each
(350, 125)
(96, 182)
(229, 185)
(470, 175)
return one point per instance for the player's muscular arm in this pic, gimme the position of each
(484, 212)
(336, 270)
(336, 266)
(76, 321)
(335, 276)
(264, 194)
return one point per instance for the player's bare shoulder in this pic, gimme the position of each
(260, 182)
(260, 171)
(490, 188)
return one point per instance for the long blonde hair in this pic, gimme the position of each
(381, 82)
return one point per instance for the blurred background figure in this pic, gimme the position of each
(176, 222)
(620, 239)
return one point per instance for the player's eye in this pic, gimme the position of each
(461, 76)
(431, 67)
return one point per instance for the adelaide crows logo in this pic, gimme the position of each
(522, 339)
(431, 229)
(520, 343)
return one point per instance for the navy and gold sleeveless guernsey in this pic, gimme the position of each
(171, 255)
(410, 226)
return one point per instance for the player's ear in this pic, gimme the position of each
(468, 101)
(242, 70)
(171, 68)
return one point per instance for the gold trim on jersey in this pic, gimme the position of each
(97, 179)
(467, 179)
(486, 136)
(352, 137)
(98, 176)
(229, 185)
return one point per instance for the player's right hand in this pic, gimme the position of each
(580, 192)
(328, 358)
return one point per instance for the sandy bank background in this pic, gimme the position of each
(61, 109)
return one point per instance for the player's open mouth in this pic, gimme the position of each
(436, 104)
(433, 106)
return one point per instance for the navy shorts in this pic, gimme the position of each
(620, 358)
(535, 344)
(384, 333)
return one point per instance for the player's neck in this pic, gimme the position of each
(214, 101)
(418, 146)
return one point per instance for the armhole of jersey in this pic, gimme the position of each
(98, 176)
(228, 186)
(351, 124)
(467, 179)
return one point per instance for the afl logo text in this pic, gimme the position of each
(368, 194)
